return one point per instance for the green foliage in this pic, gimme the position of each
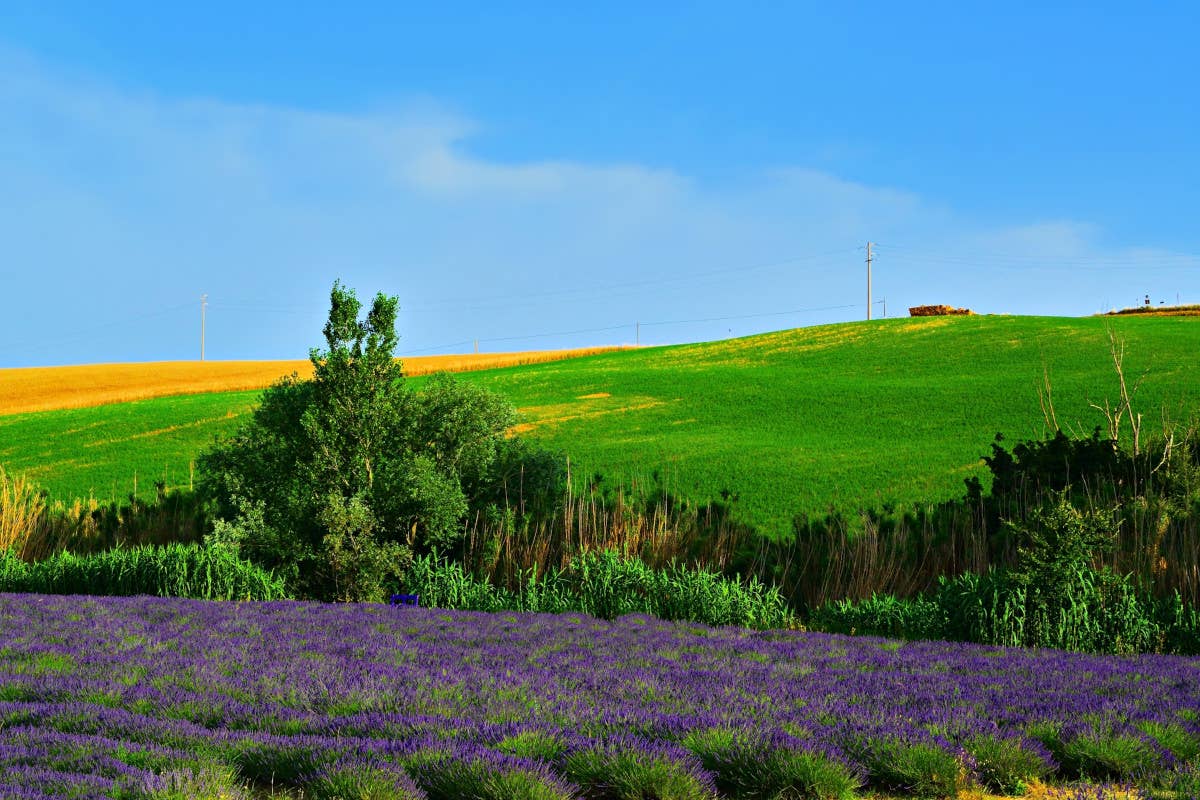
(278, 763)
(616, 773)
(919, 769)
(1056, 464)
(1053, 597)
(209, 782)
(175, 570)
(1006, 765)
(1182, 782)
(336, 480)
(1183, 744)
(1101, 756)
(1055, 547)
(535, 745)
(882, 615)
(445, 778)
(747, 766)
(606, 585)
(361, 782)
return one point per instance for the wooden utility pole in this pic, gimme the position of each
(203, 308)
(868, 280)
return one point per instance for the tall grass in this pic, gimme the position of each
(176, 570)
(606, 585)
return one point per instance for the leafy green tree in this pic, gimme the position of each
(336, 481)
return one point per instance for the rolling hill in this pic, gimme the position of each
(806, 420)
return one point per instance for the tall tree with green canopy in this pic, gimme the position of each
(335, 481)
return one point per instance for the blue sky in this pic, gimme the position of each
(537, 176)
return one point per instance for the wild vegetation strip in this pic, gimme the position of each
(137, 697)
(31, 389)
(803, 421)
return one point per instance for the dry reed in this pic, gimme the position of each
(22, 509)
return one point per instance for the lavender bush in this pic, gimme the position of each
(157, 698)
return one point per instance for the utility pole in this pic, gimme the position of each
(637, 336)
(203, 307)
(868, 280)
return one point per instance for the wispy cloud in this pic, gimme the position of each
(119, 206)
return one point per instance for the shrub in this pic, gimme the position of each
(274, 761)
(215, 782)
(1007, 765)
(1053, 597)
(1098, 754)
(919, 768)
(1184, 745)
(351, 780)
(535, 745)
(484, 775)
(633, 769)
(745, 764)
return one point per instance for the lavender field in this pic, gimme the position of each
(161, 698)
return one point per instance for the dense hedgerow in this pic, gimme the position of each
(174, 570)
(607, 585)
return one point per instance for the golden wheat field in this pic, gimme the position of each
(29, 389)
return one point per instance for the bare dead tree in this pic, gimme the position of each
(1123, 409)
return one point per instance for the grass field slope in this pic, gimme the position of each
(807, 420)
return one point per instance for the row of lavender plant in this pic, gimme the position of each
(162, 698)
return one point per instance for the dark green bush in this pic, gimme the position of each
(883, 615)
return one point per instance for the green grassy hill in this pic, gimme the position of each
(839, 416)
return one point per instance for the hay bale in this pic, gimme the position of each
(939, 311)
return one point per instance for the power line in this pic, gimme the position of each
(491, 302)
(632, 325)
(754, 316)
(38, 343)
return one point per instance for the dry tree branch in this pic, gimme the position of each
(1046, 400)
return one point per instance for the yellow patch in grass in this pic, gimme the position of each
(557, 413)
